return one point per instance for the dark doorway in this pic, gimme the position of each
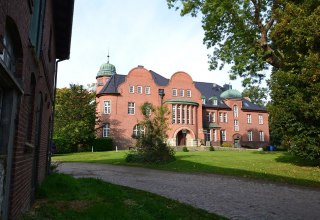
(181, 138)
(236, 143)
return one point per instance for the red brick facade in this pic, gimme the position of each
(31, 39)
(119, 98)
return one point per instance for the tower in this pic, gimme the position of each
(104, 74)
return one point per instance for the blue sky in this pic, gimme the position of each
(139, 32)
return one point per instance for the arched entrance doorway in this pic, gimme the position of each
(236, 140)
(182, 137)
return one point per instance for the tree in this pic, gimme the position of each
(74, 116)
(151, 146)
(252, 34)
(258, 95)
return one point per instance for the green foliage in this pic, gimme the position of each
(211, 148)
(74, 117)
(102, 144)
(64, 197)
(258, 95)
(185, 149)
(225, 144)
(152, 146)
(285, 34)
(62, 146)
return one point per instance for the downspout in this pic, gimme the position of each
(53, 113)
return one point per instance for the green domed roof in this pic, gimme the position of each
(231, 94)
(107, 69)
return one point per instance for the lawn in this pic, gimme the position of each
(272, 166)
(64, 197)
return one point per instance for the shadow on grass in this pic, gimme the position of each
(181, 165)
(289, 158)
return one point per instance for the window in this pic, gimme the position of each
(36, 26)
(188, 114)
(138, 131)
(236, 125)
(178, 114)
(214, 135)
(131, 89)
(181, 92)
(250, 136)
(235, 111)
(188, 93)
(208, 116)
(174, 92)
(183, 108)
(100, 82)
(106, 130)
(107, 107)
(131, 108)
(139, 89)
(203, 101)
(214, 102)
(223, 135)
(7, 54)
(225, 117)
(260, 119)
(249, 120)
(213, 116)
(174, 114)
(147, 90)
(207, 135)
(261, 135)
(220, 117)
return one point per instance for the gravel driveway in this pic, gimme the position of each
(233, 197)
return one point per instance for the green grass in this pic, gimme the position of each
(272, 166)
(64, 197)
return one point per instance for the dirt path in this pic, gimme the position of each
(235, 198)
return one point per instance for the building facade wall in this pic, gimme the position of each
(181, 97)
(32, 86)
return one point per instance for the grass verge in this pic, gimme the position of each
(64, 197)
(272, 166)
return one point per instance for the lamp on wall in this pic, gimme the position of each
(161, 94)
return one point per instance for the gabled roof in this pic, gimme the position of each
(112, 86)
(158, 79)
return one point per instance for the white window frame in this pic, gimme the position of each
(147, 90)
(260, 117)
(213, 116)
(139, 89)
(214, 135)
(220, 117)
(203, 101)
(250, 136)
(225, 117)
(131, 108)
(189, 93)
(207, 135)
(214, 102)
(181, 92)
(174, 92)
(236, 125)
(224, 135)
(208, 116)
(138, 130)
(174, 114)
(107, 107)
(249, 118)
(235, 111)
(106, 130)
(261, 135)
(131, 89)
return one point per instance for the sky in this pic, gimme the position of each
(136, 32)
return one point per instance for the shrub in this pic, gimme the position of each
(102, 144)
(62, 146)
(226, 145)
(211, 148)
(185, 149)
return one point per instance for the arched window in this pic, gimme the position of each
(235, 111)
(106, 130)
(138, 131)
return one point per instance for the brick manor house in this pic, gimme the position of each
(201, 113)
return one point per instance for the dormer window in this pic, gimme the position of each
(214, 102)
(203, 101)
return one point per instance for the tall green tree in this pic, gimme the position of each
(253, 34)
(258, 95)
(74, 116)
